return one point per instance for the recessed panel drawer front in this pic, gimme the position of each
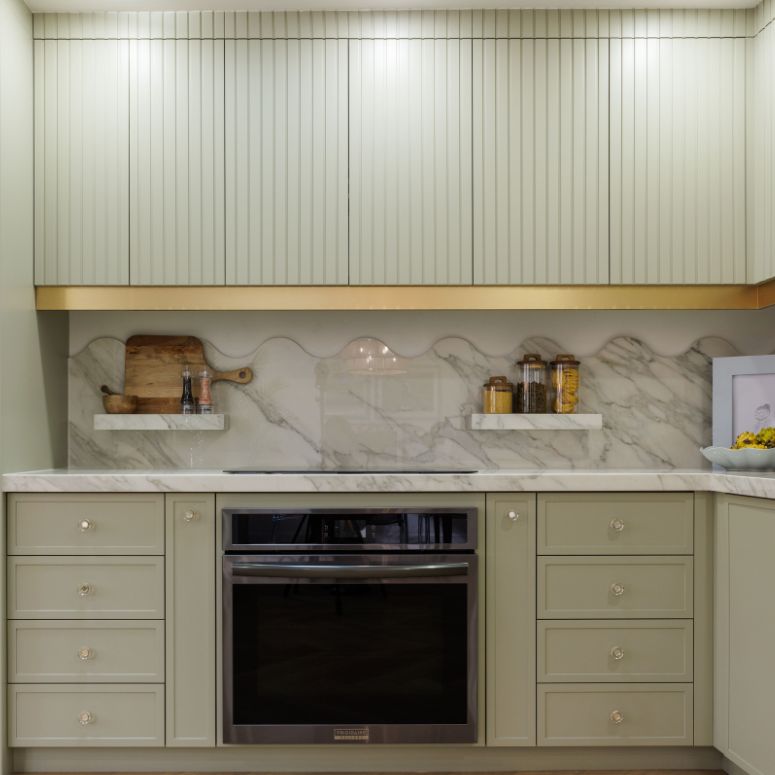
(85, 524)
(580, 651)
(615, 588)
(85, 588)
(109, 715)
(89, 652)
(616, 523)
(625, 715)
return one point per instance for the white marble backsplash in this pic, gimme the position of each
(307, 411)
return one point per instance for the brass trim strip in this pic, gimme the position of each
(410, 297)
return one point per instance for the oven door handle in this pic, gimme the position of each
(334, 571)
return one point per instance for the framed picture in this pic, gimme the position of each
(743, 396)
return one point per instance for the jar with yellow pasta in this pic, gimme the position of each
(565, 384)
(497, 396)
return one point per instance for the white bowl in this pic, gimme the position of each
(741, 459)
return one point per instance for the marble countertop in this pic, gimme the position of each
(74, 480)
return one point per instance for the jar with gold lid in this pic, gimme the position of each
(531, 385)
(497, 396)
(565, 384)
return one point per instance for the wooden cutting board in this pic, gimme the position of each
(154, 367)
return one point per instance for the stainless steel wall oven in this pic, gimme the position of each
(349, 625)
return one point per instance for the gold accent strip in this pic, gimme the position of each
(410, 297)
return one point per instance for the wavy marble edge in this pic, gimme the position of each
(752, 484)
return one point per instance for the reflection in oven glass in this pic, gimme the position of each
(365, 653)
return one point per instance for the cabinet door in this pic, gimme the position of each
(540, 161)
(410, 162)
(511, 620)
(678, 160)
(176, 162)
(286, 162)
(745, 632)
(81, 162)
(190, 635)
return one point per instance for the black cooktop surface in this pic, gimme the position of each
(305, 471)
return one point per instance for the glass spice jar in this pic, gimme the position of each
(531, 385)
(497, 396)
(565, 384)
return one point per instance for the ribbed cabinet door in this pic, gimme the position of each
(190, 621)
(410, 162)
(678, 161)
(761, 156)
(81, 162)
(286, 162)
(176, 162)
(540, 161)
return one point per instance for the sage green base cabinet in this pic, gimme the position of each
(511, 667)
(745, 632)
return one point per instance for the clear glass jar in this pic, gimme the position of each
(497, 396)
(531, 389)
(565, 384)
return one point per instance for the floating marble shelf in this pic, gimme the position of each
(535, 422)
(159, 422)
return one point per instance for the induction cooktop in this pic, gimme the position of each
(305, 471)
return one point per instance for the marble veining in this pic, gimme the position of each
(302, 410)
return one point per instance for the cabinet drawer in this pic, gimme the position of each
(90, 652)
(616, 587)
(109, 715)
(616, 523)
(658, 651)
(85, 524)
(85, 588)
(630, 714)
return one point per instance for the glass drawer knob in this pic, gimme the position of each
(617, 653)
(513, 516)
(85, 589)
(85, 654)
(617, 525)
(617, 717)
(85, 718)
(617, 590)
(191, 516)
(85, 524)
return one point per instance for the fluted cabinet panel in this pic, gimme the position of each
(81, 162)
(176, 162)
(678, 161)
(410, 162)
(761, 156)
(286, 162)
(540, 161)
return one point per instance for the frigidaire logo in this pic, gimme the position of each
(351, 734)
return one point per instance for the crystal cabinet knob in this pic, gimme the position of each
(617, 590)
(513, 515)
(85, 718)
(85, 589)
(85, 525)
(85, 654)
(191, 516)
(616, 717)
(617, 525)
(617, 653)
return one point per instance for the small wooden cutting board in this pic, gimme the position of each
(154, 367)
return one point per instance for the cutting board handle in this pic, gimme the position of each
(241, 376)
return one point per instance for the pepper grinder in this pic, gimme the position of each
(187, 399)
(205, 395)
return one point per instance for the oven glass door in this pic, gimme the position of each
(345, 648)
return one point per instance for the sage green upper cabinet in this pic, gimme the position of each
(410, 162)
(176, 149)
(540, 161)
(745, 631)
(81, 162)
(678, 160)
(286, 162)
